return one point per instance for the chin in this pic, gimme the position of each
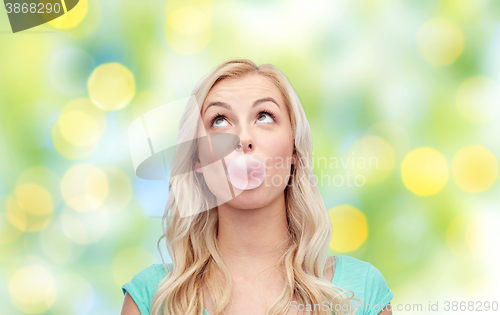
(249, 199)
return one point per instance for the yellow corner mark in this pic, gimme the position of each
(71, 19)
(64, 6)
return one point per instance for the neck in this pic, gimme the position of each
(252, 239)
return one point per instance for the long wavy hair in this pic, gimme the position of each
(192, 240)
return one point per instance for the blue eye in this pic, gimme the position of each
(265, 115)
(218, 118)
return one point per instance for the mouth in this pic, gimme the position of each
(246, 172)
(248, 187)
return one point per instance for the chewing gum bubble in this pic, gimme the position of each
(246, 171)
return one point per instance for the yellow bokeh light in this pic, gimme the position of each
(478, 99)
(128, 262)
(71, 18)
(187, 30)
(30, 209)
(76, 23)
(44, 177)
(79, 128)
(68, 150)
(188, 20)
(371, 157)
(85, 187)
(34, 199)
(469, 10)
(8, 233)
(16, 214)
(33, 289)
(474, 169)
(87, 107)
(440, 42)
(350, 228)
(111, 86)
(424, 171)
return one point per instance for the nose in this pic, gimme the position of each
(248, 147)
(246, 141)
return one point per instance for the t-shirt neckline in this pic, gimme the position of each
(335, 278)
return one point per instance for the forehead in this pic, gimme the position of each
(243, 89)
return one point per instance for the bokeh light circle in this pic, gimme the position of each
(187, 30)
(71, 18)
(30, 208)
(33, 289)
(78, 129)
(8, 233)
(34, 199)
(85, 187)
(440, 42)
(474, 169)
(111, 86)
(350, 228)
(424, 171)
(81, 22)
(44, 177)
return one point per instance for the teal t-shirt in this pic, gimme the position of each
(361, 277)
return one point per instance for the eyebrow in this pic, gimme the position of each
(226, 105)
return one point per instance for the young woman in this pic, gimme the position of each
(246, 227)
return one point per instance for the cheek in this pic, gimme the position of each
(279, 159)
(279, 146)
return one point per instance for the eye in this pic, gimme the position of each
(218, 120)
(265, 117)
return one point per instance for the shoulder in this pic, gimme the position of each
(366, 281)
(350, 269)
(142, 287)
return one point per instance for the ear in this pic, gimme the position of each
(197, 167)
(294, 155)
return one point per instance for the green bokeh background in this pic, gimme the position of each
(360, 68)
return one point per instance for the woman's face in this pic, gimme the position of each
(252, 108)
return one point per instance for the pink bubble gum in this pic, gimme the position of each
(246, 171)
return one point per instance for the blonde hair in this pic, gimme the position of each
(192, 240)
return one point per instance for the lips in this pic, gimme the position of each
(246, 171)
